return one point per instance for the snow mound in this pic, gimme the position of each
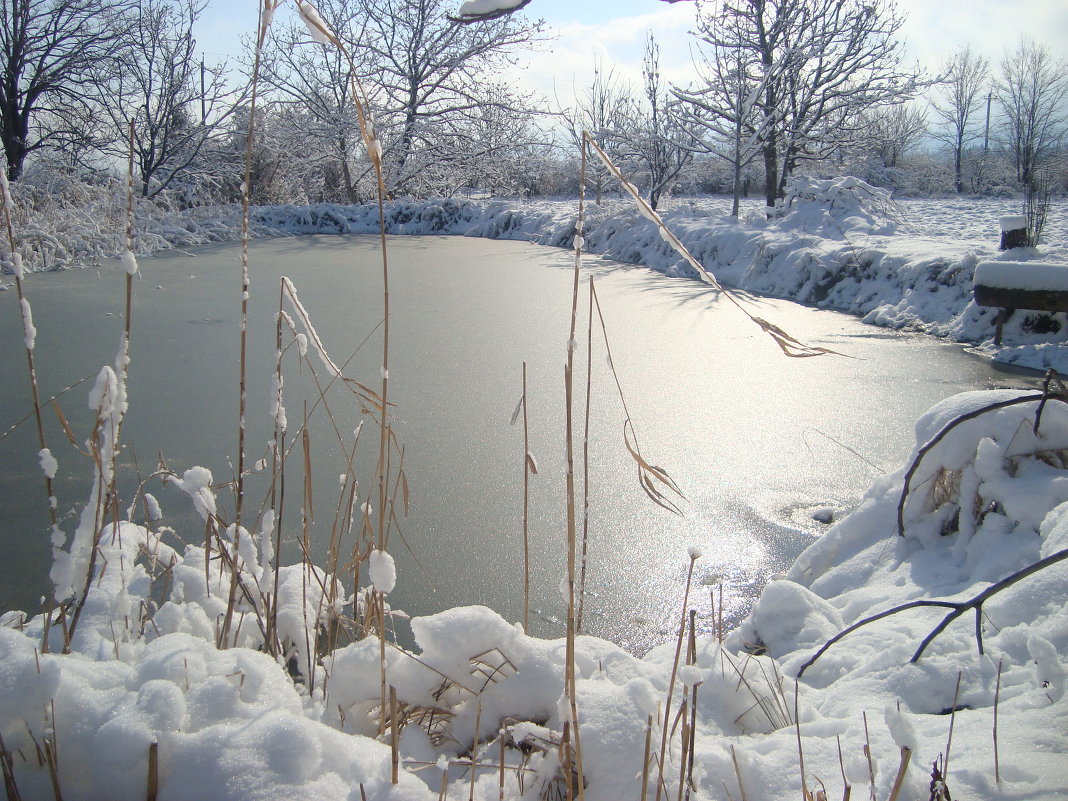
(836, 207)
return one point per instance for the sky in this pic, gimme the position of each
(614, 31)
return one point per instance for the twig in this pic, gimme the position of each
(958, 608)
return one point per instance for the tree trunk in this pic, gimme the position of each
(771, 172)
(957, 181)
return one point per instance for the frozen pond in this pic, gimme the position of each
(756, 441)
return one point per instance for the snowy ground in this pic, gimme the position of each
(146, 704)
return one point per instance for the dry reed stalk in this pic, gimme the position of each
(867, 754)
(684, 709)
(569, 661)
(52, 761)
(789, 345)
(645, 761)
(902, 769)
(108, 495)
(27, 325)
(997, 698)
(7, 767)
(394, 740)
(526, 507)
(738, 774)
(153, 771)
(474, 750)
(674, 674)
(500, 771)
(719, 624)
(650, 477)
(586, 461)
(805, 794)
(692, 660)
(847, 787)
(952, 720)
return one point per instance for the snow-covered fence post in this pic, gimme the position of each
(1013, 231)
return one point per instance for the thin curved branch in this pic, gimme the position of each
(957, 608)
(931, 443)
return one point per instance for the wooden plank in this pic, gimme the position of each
(1036, 299)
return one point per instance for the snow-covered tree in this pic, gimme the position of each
(433, 77)
(1032, 91)
(177, 104)
(430, 84)
(958, 98)
(819, 64)
(48, 53)
(892, 131)
(315, 112)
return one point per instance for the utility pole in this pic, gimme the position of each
(204, 110)
(986, 133)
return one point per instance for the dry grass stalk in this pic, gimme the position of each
(867, 754)
(952, 721)
(805, 794)
(847, 788)
(586, 461)
(654, 481)
(153, 771)
(52, 761)
(666, 725)
(266, 12)
(902, 769)
(691, 659)
(645, 760)
(569, 661)
(7, 767)
(30, 331)
(738, 774)
(528, 467)
(997, 698)
(394, 740)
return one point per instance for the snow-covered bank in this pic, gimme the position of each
(838, 244)
(146, 684)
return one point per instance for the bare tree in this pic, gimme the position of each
(724, 106)
(959, 96)
(657, 137)
(49, 49)
(820, 64)
(176, 103)
(602, 110)
(1032, 91)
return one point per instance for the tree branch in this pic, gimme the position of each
(957, 608)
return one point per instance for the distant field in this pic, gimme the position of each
(966, 218)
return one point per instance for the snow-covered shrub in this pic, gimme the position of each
(838, 206)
